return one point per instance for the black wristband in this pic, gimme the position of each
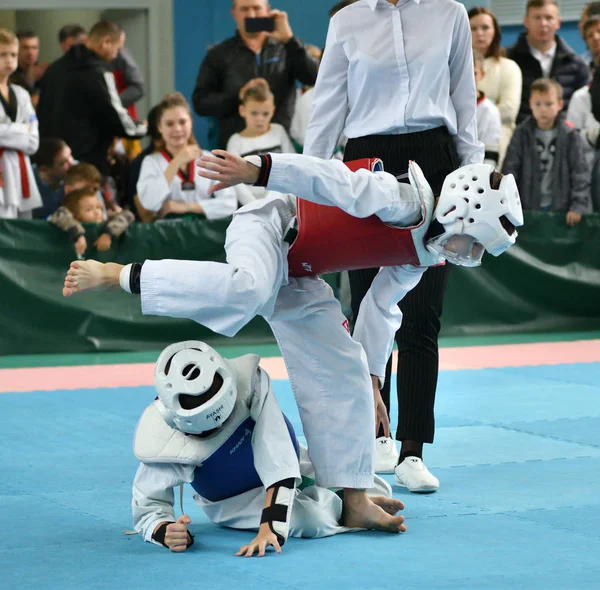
(159, 534)
(266, 162)
(135, 278)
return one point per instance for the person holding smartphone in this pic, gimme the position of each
(263, 48)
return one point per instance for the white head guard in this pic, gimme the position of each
(469, 206)
(190, 368)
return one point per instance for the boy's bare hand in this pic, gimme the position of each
(176, 535)
(573, 218)
(227, 169)
(260, 543)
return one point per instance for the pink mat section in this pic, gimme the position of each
(451, 359)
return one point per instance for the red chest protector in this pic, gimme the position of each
(330, 240)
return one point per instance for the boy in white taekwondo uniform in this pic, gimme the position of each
(328, 370)
(19, 139)
(216, 425)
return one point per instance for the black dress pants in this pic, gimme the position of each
(417, 339)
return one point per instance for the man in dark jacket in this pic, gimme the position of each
(90, 113)
(541, 53)
(52, 82)
(233, 65)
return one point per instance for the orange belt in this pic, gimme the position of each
(23, 171)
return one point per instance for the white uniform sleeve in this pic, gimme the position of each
(275, 458)
(379, 317)
(23, 137)
(360, 194)
(153, 497)
(330, 104)
(223, 204)
(463, 92)
(152, 186)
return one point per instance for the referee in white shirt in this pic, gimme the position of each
(397, 80)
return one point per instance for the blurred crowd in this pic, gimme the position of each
(74, 149)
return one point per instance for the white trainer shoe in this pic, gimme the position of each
(413, 474)
(386, 455)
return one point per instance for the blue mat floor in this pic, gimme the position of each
(517, 452)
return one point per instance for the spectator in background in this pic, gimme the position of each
(52, 162)
(580, 112)
(82, 175)
(131, 88)
(260, 135)
(19, 138)
(91, 114)
(53, 82)
(85, 206)
(169, 183)
(29, 71)
(503, 81)
(591, 35)
(233, 65)
(541, 53)
(589, 10)
(489, 124)
(70, 35)
(547, 157)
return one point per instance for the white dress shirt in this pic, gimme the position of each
(396, 69)
(545, 59)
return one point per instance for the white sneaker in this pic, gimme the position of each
(386, 455)
(413, 474)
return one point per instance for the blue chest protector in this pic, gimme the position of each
(230, 470)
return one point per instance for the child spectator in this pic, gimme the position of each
(19, 138)
(85, 175)
(547, 157)
(259, 136)
(82, 175)
(83, 205)
(169, 183)
(51, 163)
(489, 121)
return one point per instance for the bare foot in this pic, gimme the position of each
(377, 513)
(84, 275)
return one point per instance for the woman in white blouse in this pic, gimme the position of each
(169, 183)
(503, 81)
(397, 80)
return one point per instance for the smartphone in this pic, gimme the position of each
(261, 24)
